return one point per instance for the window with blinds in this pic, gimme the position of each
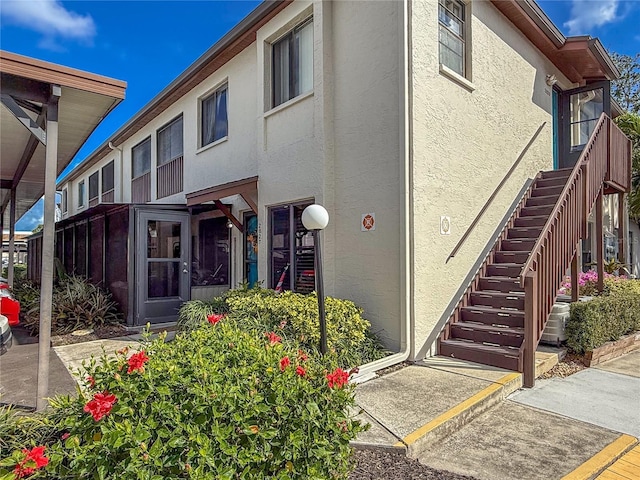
(170, 141)
(452, 35)
(292, 64)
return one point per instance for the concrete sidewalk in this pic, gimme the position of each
(453, 415)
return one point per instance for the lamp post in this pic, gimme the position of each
(314, 219)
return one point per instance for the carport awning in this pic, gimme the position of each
(26, 86)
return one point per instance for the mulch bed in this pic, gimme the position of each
(381, 465)
(571, 364)
(105, 331)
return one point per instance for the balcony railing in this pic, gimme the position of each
(619, 166)
(170, 177)
(94, 201)
(141, 188)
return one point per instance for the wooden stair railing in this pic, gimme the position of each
(501, 314)
(551, 256)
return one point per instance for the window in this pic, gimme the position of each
(107, 178)
(452, 34)
(291, 254)
(65, 200)
(213, 117)
(170, 141)
(210, 251)
(81, 194)
(94, 185)
(292, 67)
(141, 158)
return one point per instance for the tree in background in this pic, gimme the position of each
(626, 90)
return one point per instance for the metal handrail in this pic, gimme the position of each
(493, 195)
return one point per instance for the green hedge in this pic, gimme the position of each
(218, 402)
(295, 317)
(605, 318)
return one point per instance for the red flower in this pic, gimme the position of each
(273, 338)
(300, 371)
(101, 405)
(302, 356)
(215, 318)
(91, 381)
(338, 378)
(137, 361)
(284, 363)
(34, 459)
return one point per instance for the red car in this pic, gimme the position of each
(9, 306)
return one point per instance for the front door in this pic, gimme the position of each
(162, 265)
(580, 109)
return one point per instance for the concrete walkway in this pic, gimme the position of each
(453, 415)
(607, 395)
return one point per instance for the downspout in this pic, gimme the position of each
(367, 371)
(121, 186)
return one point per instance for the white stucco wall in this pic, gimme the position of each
(463, 144)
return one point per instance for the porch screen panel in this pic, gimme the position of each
(96, 250)
(280, 254)
(59, 246)
(211, 253)
(116, 266)
(67, 261)
(80, 249)
(305, 255)
(163, 246)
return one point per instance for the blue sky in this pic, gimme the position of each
(149, 43)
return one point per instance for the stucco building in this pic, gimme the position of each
(416, 124)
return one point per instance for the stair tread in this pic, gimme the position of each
(486, 309)
(510, 352)
(489, 328)
(498, 294)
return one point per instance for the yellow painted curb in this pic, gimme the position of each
(602, 459)
(457, 410)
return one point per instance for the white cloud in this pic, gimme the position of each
(589, 14)
(50, 18)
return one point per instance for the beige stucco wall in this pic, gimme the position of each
(463, 144)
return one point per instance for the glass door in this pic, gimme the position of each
(162, 266)
(581, 109)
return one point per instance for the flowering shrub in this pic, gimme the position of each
(588, 283)
(295, 317)
(25, 463)
(217, 402)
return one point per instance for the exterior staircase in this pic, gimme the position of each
(490, 329)
(503, 311)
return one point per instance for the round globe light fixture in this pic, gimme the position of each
(315, 217)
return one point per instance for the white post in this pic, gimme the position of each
(12, 235)
(48, 232)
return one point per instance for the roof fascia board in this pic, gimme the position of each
(232, 35)
(533, 10)
(603, 57)
(27, 67)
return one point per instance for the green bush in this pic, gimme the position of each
(216, 403)
(296, 317)
(76, 304)
(19, 271)
(605, 318)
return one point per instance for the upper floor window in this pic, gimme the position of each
(65, 201)
(292, 68)
(170, 141)
(141, 158)
(108, 183)
(81, 194)
(94, 186)
(452, 35)
(213, 117)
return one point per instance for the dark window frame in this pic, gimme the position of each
(159, 134)
(293, 248)
(65, 200)
(203, 141)
(105, 188)
(133, 150)
(462, 36)
(294, 63)
(94, 181)
(81, 189)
